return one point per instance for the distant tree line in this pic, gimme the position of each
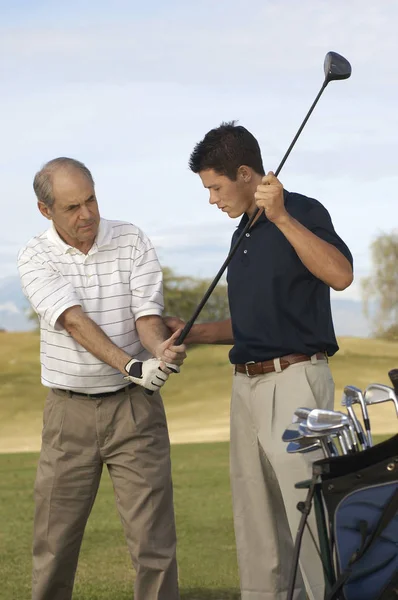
(182, 293)
(380, 289)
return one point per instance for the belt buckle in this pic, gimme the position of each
(251, 362)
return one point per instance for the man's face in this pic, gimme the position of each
(231, 197)
(75, 210)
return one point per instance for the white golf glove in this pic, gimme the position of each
(148, 373)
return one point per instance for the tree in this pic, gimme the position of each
(182, 294)
(382, 286)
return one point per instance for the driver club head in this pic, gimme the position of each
(377, 393)
(336, 67)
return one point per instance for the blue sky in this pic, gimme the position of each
(130, 87)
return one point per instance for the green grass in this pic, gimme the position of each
(197, 400)
(206, 546)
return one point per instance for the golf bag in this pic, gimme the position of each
(356, 498)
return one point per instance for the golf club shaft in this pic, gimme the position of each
(188, 326)
(358, 427)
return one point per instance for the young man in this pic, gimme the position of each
(281, 329)
(96, 286)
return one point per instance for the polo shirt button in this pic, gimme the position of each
(244, 251)
(247, 234)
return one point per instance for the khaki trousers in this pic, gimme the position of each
(263, 476)
(127, 432)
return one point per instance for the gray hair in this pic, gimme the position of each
(42, 183)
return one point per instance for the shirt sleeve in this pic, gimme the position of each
(47, 290)
(146, 280)
(318, 221)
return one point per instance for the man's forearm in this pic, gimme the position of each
(322, 259)
(89, 335)
(218, 332)
(152, 332)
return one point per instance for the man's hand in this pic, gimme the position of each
(170, 354)
(269, 196)
(177, 324)
(147, 373)
(174, 323)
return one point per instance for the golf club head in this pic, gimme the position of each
(354, 393)
(307, 432)
(377, 393)
(292, 433)
(393, 375)
(346, 401)
(300, 414)
(336, 67)
(320, 419)
(298, 447)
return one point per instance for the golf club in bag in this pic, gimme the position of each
(356, 507)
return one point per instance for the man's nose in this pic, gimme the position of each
(212, 199)
(84, 212)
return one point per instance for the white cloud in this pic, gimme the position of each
(9, 307)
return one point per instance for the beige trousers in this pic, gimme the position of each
(127, 432)
(263, 477)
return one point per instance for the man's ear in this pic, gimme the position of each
(45, 210)
(245, 174)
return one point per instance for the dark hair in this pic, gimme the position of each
(225, 149)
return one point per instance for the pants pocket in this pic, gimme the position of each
(320, 381)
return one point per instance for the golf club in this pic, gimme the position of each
(322, 435)
(319, 420)
(292, 433)
(301, 414)
(301, 447)
(356, 396)
(335, 67)
(377, 393)
(348, 403)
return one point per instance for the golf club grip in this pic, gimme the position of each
(190, 323)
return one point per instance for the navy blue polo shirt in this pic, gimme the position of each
(277, 306)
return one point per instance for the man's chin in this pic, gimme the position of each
(87, 233)
(234, 214)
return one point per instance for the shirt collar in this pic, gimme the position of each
(103, 238)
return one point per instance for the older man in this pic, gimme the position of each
(96, 286)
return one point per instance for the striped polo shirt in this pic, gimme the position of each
(118, 281)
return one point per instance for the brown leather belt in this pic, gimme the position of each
(101, 395)
(251, 369)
